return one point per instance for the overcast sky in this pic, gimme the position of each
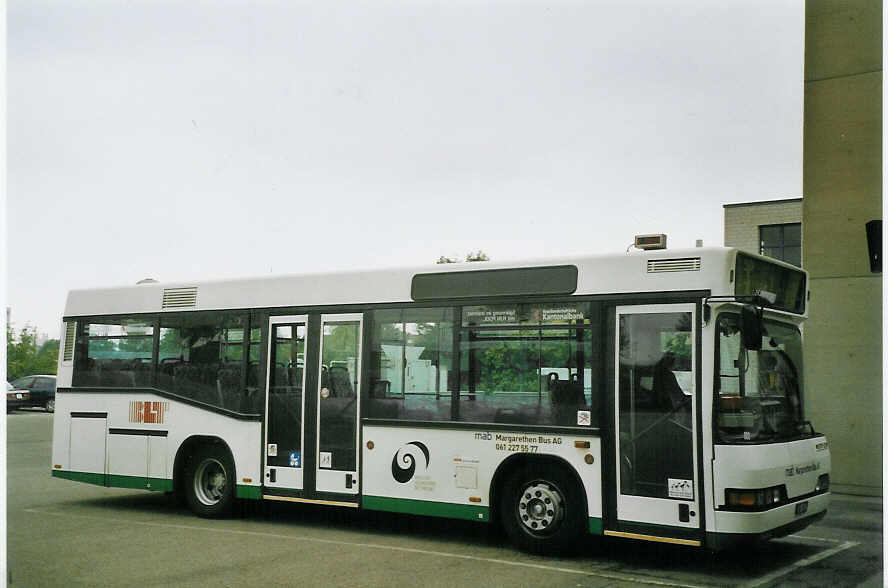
(201, 140)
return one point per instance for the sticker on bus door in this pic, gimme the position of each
(681, 489)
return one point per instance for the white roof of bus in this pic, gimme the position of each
(597, 274)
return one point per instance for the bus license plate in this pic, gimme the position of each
(801, 508)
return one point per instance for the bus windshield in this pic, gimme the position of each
(759, 392)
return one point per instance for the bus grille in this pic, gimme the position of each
(70, 331)
(179, 297)
(684, 264)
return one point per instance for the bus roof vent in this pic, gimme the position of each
(179, 297)
(683, 264)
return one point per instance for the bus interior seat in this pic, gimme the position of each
(566, 393)
(142, 373)
(281, 379)
(340, 384)
(384, 408)
(294, 376)
(229, 379)
(253, 374)
(325, 377)
(380, 388)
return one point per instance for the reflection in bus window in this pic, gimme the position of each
(656, 387)
(285, 393)
(338, 408)
(411, 354)
(114, 353)
(201, 357)
(527, 376)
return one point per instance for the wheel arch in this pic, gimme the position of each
(188, 447)
(517, 461)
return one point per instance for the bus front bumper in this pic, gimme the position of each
(738, 527)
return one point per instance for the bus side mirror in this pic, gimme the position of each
(751, 324)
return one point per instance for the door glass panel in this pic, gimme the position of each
(655, 395)
(285, 395)
(337, 397)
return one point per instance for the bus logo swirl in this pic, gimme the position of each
(404, 473)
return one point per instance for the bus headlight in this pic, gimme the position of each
(755, 499)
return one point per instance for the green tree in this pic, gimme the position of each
(25, 358)
(340, 344)
(476, 256)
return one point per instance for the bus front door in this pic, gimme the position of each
(655, 407)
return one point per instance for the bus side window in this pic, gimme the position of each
(520, 376)
(206, 352)
(109, 351)
(410, 364)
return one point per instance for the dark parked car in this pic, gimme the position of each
(41, 390)
(15, 398)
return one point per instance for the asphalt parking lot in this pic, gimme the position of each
(72, 534)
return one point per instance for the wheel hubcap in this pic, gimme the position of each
(541, 507)
(210, 482)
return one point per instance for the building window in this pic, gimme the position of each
(783, 242)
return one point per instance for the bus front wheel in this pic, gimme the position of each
(541, 509)
(209, 482)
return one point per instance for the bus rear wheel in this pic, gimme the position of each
(541, 509)
(209, 482)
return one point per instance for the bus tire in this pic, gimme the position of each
(542, 510)
(210, 482)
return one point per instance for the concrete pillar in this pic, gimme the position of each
(842, 190)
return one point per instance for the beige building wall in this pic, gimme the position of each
(842, 189)
(742, 221)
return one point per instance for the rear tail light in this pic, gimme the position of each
(755, 499)
(822, 483)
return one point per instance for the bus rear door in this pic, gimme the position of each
(311, 418)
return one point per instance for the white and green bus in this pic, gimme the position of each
(655, 395)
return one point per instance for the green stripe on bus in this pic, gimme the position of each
(115, 481)
(252, 492)
(595, 526)
(428, 508)
(157, 484)
(98, 479)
